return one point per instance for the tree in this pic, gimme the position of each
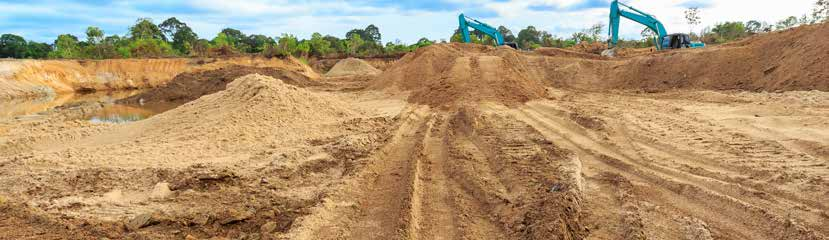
(508, 36)
(693, 18)
(37, 50)
(183, 36)
(12, 46)
(222, 41)
(170, 26)
(287, 44)
(353, 44)
(372, 33)
(528, 36)
(337, 44)
(150, 48)
(787, 23)
(729, 31)
(66, 46)
(94, 35)
(820, 13)
(235, 37)
(755, 27)
(144, 28)
(594, 33)
(423, 42)
(303, 49)
(319, 46)
(256, 43)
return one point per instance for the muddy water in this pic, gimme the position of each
(111, 112)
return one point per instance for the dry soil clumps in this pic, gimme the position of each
(189, 86)
(447, 74)
(351, 67)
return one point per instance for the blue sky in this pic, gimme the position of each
(406, 20)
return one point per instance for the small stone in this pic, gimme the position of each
(201, 219)
(268, 227)
(140, 221)
(161, 191)
(237, 216)
(190, 237)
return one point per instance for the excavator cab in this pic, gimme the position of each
(680, 40)
(677, 40)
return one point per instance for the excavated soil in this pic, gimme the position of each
(189, 86)
(351, 67)
(453, 141)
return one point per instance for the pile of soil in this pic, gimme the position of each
(559, 52)
(446, 74)
(189, 86)
(351, 67)
(251, 110)
(589, 47)
(779, 61)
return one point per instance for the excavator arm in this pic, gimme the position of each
(616, 13)
(466, 22)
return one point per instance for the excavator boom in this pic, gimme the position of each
(465, 23)
(617, 12)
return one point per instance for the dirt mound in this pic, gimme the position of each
(589, 47)
(445, 74)
(350, 67)
(189, 86)
(251, 109)
(780, 61)
(558, 52)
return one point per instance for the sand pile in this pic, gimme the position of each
(189, 86)
(351, 67)
(255, 112)
(794, 59)
(446, 74)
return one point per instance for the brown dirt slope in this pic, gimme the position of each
(189, 86)
(31, 78)
(446, 74)
(788, 60)
(350, 67)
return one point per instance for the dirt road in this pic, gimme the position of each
(453, 141)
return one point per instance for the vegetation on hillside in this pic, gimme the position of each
(172, 38)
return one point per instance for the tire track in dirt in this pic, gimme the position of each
(376, 204)
(677, 190)
(434, 211)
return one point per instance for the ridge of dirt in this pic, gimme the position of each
(189, 86)
(778, 61)
(350, 67)
(446, 74)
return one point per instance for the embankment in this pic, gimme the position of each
(32, 78)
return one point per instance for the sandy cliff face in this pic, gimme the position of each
(26, 78)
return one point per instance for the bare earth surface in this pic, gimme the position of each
(453, 141)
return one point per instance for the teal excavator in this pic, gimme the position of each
(663, 40)
(466, 22)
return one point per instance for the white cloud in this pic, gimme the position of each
(272, 17)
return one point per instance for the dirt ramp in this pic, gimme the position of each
(447, 74)
(780, 61)
(189, 86)
(351, 67)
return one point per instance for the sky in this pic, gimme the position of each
(405, 20)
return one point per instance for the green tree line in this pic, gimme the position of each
(172, 38)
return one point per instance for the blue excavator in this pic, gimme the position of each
(663, 41)
(466, 22)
